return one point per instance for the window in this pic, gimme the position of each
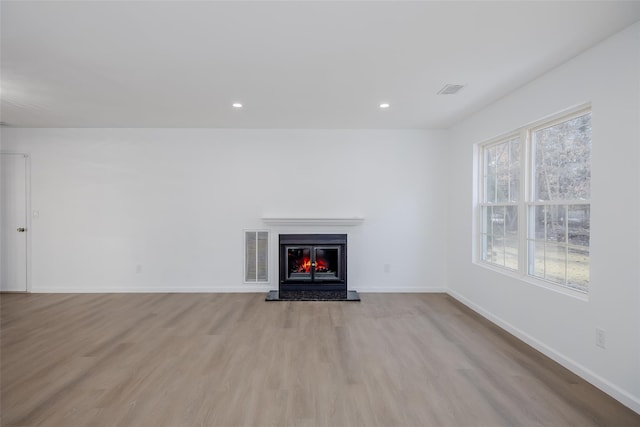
(552, 198)
(499, 205)
(559, 212)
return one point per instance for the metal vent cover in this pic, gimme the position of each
(256, 256)
(450, 89)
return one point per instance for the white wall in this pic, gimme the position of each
(176, 202)
(607, 75)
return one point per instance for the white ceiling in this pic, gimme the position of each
(295, 64)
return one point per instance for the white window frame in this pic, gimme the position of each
(482, 190)
(526, 200)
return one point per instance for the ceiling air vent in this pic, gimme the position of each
(450, 89)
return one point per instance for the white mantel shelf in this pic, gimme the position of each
(291, 221)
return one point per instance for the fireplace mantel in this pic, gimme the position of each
(325, 221)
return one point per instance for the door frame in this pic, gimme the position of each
(27, 189)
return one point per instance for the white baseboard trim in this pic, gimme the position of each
(416, 290)
(244, 288)
(154, 290)
(611, 389)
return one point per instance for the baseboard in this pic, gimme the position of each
(399, 290)
(154, 290)
(244, 288)
(611, 389)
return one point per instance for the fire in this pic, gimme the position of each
(305, 266)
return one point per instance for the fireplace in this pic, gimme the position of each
(313, 262)
(313, 267)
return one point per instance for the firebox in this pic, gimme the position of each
(313, 262)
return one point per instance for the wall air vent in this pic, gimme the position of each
(256, 256)
(450, 89)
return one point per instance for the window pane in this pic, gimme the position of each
(514, 190)
(578, 217)
(502, 193)
(502, 172)
(511, 221)
(490, 178)
(511, 253)
(563, 160)
(499, 224)
(556, 223)
(578, 267)
(499, 244)
(497, 221)
(539, 221)
(498, 250)
(549, 256)
(514, 171)
(555, 263)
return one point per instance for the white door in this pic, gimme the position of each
(13, 219)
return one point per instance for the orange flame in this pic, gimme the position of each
(305, 266)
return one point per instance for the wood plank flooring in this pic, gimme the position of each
(235, 360)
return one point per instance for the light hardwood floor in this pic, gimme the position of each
(236, 360)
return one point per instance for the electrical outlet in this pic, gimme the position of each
(600, 338)
(138, 269)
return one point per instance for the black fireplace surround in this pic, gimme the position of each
(313, 267)
(313, 262)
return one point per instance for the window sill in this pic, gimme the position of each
(582, 296)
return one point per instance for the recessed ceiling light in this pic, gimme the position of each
(236, 105)
(385, 105)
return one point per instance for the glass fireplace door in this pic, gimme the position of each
(299, 263)
(326, 263)
(313, 263)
